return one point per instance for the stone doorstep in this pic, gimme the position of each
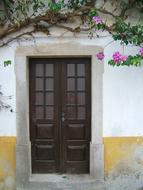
(63, 182)
(63, 186)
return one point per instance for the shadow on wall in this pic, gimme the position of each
(3, 104)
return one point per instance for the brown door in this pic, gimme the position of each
(60, 114)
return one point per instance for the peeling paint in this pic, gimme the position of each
(125, 182)
(6, 169)
(127, 174)
(8, 183)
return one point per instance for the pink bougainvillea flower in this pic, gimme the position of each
(100, 56)
(97, 19)
(117, 57)
(141, 51)
(124, 58)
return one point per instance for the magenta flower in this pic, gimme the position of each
(141, 51)
(117, 57)
(97, 19)
(100, 56)
(124, 58)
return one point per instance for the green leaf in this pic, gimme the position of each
(7, 62)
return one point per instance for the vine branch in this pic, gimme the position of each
(54, 16)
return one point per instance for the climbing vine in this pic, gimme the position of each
(41, 16)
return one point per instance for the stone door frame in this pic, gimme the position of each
(58, 49)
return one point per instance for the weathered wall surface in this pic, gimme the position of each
(7, 163)
(124, 163)
(122, 118)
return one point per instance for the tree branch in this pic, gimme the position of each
(16, 37)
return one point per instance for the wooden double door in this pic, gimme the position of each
(60, 114)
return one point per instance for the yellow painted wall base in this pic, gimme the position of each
(122, 153)
(117, 151)
(7, 157)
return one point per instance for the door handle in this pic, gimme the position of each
(63, 117)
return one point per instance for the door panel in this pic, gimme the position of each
(44, 120)
(76, 127)
(60, 114)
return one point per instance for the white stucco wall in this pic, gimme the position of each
(122, 97)
(122, 91)
(7, 82)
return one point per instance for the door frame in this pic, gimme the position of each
(70, 48)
